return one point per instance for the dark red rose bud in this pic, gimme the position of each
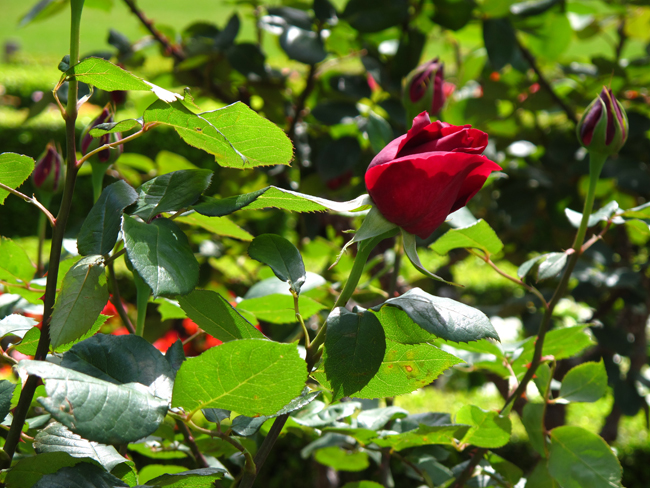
(418, 179)
(604, 126)
(90, 143)
(424, 89)
(49, 171)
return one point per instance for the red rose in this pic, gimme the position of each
(418, 179)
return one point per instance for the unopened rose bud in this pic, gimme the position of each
(49, 171)
(604, 126)
(90, 143)
(424, 89)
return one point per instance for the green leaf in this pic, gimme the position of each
(43, 10)
(219, 207)
(586, 382)
(258, 140)
(300, 202)
(540, 478)
(304, 46)
(602, 214)
(14, 170)
(30, 342)
(542, 379)
(478, 235)
(122, 360)
(579, 458)
(6, 394)
(278, 309)
(375, 15)
(410, 249)
(99, 231)
(95, 409)
(106, 76)
(14, 262)
(217, 317)
(161, 255)
(56, 438)
(113, 127)
(82, 297)
(16, 324)
(376, 418)
(354, 351)
(500, 42)
(424, 435)
(549, 265)
(379, 132)
(282, 257)
(342, 459)
(221, 226)
(83, 474)
(362, 484)
(26, 472)
(171, 192)
(193, 478)
(533, 420)
(509, 471)
(250, 376)
(399, 327)
(488, 429)
(443, 317)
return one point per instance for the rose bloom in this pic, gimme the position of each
(418, 179)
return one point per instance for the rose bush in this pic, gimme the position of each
(418, 179)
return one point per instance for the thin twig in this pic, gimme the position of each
(249, 466)
(300, 104)
(191, 442)
(31, 200)
(544, 82)
(117, 300)
(111, 145)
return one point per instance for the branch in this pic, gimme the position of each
(542, 81)
(300, 104)
(189, 438)
(31, 200)
(117, 300)
(111, 145)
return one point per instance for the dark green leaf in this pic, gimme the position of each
(282, 257)
(14, 170)
(509, 471)
(82, 475)
(215, 415)
(375, 15)
(14, 262)
(579, 458)
(279, 309)
(304, 46)
(478, 235)
(453, 14)
(489, 429)
(193, 478)
(217, 317)
(6, 393)
(540, 478)
(500, 42)
(219, 207)
(251, 376)
(354, 350)
(325, 11)
(533, 420)
(99, 231)
(26, 472)
(161, 255)
(335, 112)
(94, 408)
(342, 459)
(113, 127)
(586, 382)
(43, 10)
(170, 192)
(175, 356)
(57, 438)
(542, 379)
(82, 298)
(379, 132)
(443, 317)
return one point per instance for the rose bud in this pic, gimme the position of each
(604, 126)
(90, 143)
(49, 171)
(418, 179)
(424, 89)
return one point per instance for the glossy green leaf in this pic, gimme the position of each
(376, 418)
(82, 298)
(300, 202)
(221, 226)
(602, 214)
(379, 132)
(30, 342)
(43, 10)
(586, 382)
(279, 309)
(250, 376)
(114, 127)
(122, 360)
(410, 249)
(443, 317)
(549, 265)
(375, 15)
(16, 325)
(193, 478)
(509, 471)
(302, 45)
(424, 435)
(99, 231)
(26, 472)
(56, 438)
(540, 478)
(105, 75)
(161, 255)
(216, 316)
(282, 257)
(488, 429)
(342, 459)
(96, 409)
(542, 379)
(6, 393)
(500, 42)
(478, 236)
(219, 207)
(579, 458)
(82, 474)
(533, 420)
(14, 262)
(14, 170)
(453, 14)
(171, 192)
(354, 350)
